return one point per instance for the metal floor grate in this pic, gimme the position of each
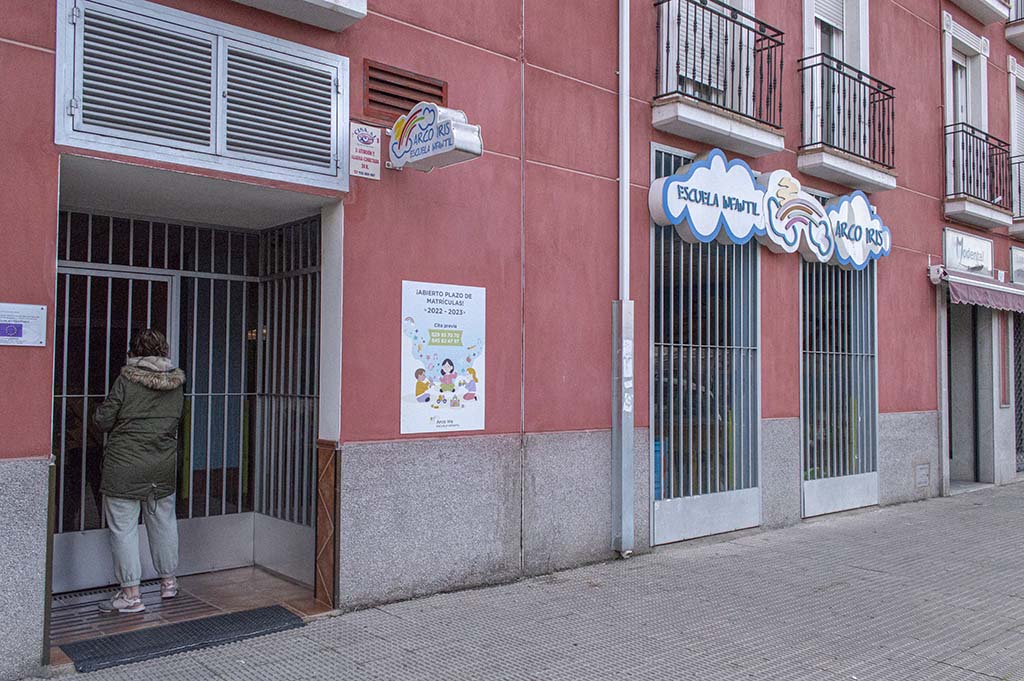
(146, 644)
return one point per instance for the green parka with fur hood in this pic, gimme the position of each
(142, 413)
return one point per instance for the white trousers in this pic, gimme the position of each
(161, 528)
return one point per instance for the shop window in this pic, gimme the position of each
(705, 364)
(389, 92)
(839, 407)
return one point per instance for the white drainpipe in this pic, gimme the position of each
(622, 316)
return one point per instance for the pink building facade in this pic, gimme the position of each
(186, 165)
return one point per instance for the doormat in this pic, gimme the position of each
(146, 644)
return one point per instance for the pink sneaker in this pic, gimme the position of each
(168, 587)
(122, 603)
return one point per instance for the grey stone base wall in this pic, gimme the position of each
(781, 472)
(24, 494)
(905, 442)
(431, 515)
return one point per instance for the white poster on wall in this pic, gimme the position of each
(22, 325)
(364, 151)
(443, 373)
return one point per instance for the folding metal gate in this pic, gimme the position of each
(241, 311)
(839, 392)
(706, 403)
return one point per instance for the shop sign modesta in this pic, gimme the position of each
(430, 136)
(968, 253)
(717, 199)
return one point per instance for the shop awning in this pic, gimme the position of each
(969, 289)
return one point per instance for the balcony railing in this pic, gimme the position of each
(1017, 11)
(1017, 188)
(848, 110)
(977, 166)
(719, 55)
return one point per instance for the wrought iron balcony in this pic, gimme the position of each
(979, 189)
(1017, 186)
(847, 110)
(1015, 25)
(728, 64)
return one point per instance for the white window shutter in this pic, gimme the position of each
(831, 12)
(1019, 122)
(279, 109)
(143, 79)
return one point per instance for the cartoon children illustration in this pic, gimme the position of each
(470, 385)
(422, 386)
(448, 376)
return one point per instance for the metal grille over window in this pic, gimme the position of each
(712, 52)
(278, 109)
(167, 85)
(839, 404)
(289, 314)
(151, 81)
(705, 364)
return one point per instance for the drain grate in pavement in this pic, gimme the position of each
(146, 644)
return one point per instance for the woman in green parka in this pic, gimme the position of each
(141, 415)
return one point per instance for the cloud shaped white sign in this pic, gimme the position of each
(713, 199)
(860, 235)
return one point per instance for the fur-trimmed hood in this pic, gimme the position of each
(156, 373)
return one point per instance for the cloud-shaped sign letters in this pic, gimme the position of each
(860, 234)
(720, 199)
(715, 197)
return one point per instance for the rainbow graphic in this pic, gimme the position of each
(407, 123)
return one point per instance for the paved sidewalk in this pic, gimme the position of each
(931, 590)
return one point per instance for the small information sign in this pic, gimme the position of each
(23, 325)
(364, 151)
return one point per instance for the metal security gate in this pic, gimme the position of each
(706, 404)
(208, 290)
(839, 391)
(1018, 385)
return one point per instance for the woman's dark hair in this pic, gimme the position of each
(449, 363)
(148, 343)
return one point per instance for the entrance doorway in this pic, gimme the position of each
(964, 459)
(241, 310)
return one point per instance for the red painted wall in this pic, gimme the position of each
(535, 220)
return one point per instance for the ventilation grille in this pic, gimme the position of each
(278, 109)
(146, 81)
(389, 92)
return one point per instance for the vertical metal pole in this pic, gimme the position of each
(259, 454)
(673, 368)
(212, 305)
(85, 396)
(195, 394)
(64, 398)
(622, 391)
(227, 394)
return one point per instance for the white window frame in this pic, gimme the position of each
(1015, 75)
(856, 35)
(65, 134)
(976, 48)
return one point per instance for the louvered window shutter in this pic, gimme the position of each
(143, 79)
(279, 109)
(1018, 123)
(705, 57)
(831, 12)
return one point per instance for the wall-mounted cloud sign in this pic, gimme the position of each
(720, 199)
(795, 220)
(412, 129)
(714, 198)
(860, 234)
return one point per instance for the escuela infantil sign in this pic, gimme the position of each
(718, 199)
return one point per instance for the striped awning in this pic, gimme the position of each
(969, 289)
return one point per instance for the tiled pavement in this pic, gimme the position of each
(932, 590)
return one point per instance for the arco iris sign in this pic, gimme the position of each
(723, 200)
